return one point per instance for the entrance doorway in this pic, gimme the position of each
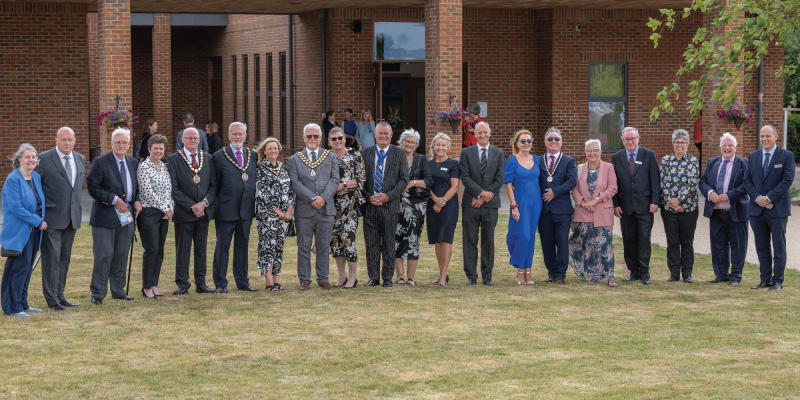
(400, 97)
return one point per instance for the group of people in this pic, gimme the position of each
(319, 195)
(358, 133)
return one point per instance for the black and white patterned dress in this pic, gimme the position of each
(412, 211)
(348, 201)
(273, 190)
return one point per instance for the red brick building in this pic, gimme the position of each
(534, 63)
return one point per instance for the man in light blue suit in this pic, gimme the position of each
(767, 181)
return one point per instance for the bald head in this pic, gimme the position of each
(191, 139)
(65, 140)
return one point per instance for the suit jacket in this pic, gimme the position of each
(186, 193)
(774, 185)
(203, 140)
(395, 179)
(635, 192)
(606, 188)
(214, 142)
(63, 199)
(324, 183)
(421, 171)
(737, 195)
(474, 182)
(104, 183)
(236, 198)
(19, 210)
(564, 179)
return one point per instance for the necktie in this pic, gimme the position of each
(631, 163)
(68, 169)
(313, 156)
(721, 177)
(194, 160)
(484, 161)
(123, 175)
(766, 164)
(379, 173)
(239, 157)
(552, 160)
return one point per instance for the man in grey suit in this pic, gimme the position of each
(235, 167)
(113, 185)
(385, 181)
(62, 172)
(482, 176)
(315, 178)
(188, 122)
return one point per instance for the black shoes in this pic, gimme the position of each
(57, 307)
(66, 303)
(355, 283)
(180, 291)
(761, 285)
(688, 280)
(672, 279)
(472, 282)
(645, 281)
(372, 283)
(776, 286)
(204, 289)
(222, 289)
(718, 280)
(631, 278)
(97, 301)
(733, 283)
(488, 283)
(247, 288)
(123, 297)
(387, 284)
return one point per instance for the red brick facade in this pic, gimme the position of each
(114, 57)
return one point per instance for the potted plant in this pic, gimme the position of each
(393, 117)
(114, 118)
(456, 117)
(737, 113)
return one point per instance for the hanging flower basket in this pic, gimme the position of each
(114, 118)
(737, 113)
(455, 117)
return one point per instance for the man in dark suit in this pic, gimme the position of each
(385, 181)
(315, 177)
(235, 167)
(113, 185)
(62, 172)
(637, 199)
(767, 181)
(194, 189)
(481, 168)
(188, 122)
(557, 176)
(727, 210)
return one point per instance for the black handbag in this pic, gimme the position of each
(290, 232)
(10, 253)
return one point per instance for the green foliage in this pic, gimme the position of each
(729, 53)
(791, 83)
(607, 80)
(793, 136)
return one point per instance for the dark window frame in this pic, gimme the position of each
(270, 101)
(623, 99)
(245, 89)
(257, 96)
(284, 95)
(234, 83)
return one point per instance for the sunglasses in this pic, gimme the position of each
(526, 141)
(312, 136)
(338, 138)
(556, 138)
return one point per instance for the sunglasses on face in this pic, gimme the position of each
(556, 138)
(312, 136)
(337, 138)
(525, 141)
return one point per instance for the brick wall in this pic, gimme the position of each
(307, 79)
(142, 70)
(190, 76)
(42, 89)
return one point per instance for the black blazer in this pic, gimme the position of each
(775, 185)
(395, 179)
(421, 171)
(737, 195)
(474, 183)
(236, 198)
(186, 193)
(214, 143)
(104, 183)
(638, 190)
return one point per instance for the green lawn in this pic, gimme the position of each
(666, 340)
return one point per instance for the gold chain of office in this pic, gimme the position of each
(236, 164)
(196, 171)
(315, 164)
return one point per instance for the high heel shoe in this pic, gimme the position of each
(343, 283)
(145, 295)
(351, 287)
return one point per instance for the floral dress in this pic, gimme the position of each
(413, 205)
(348, 202)
(590, 247)
(273, 190)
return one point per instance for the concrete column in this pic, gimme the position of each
(162, 75)
(443, 59)
(114, 57)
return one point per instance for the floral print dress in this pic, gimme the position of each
(348, 203)
(273, 190)
(590, 248)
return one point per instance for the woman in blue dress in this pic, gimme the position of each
(521, 177)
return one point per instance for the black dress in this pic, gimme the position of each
(412, 211)
(442, 225)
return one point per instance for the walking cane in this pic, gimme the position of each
(130, 259)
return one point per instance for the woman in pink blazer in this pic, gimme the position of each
(591, 252)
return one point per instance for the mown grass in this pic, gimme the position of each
(668, 340)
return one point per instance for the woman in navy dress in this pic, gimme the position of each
(521, 177)
(443, 203)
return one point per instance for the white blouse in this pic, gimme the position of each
(155, 187)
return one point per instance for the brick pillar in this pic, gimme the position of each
(443, 52)
(162, 76)
(114, 57)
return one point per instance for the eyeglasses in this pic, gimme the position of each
(312, 136)
(681, 143)
(525, 141)
(337, 138)
(556, 138)
(593, 151)
(630, 139)
(191, 138)
(120, 143)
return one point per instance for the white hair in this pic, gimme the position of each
(629, 128)
(408, 133)
(230, 127)
(553, 129)
(311, 125)
(20, 152)
(121, 131)
(593, 141)
(727, 135)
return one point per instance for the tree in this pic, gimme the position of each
(728, 54)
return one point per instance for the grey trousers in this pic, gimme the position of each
(56, 253)
(319, 227)
(110, 249)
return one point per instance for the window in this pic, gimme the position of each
(269, 94)
(282, 67)
(257, 102)
(399, 41)
(233, 81)
(608, 103)
(245, 91)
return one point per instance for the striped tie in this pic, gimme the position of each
(379, 173)
(484, 161)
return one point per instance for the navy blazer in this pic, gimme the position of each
(737, 195)
(19, 210)
(565, 177)
(236, 198)
(775, 185)
(104, 182)
(637, 191)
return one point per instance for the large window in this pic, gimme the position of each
(608, 103)
(399, 41)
